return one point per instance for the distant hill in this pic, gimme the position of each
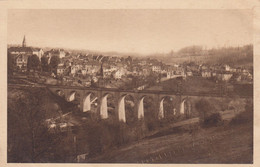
(234, 56)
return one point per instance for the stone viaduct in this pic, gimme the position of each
(69, 93)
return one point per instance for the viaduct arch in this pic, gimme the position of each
(183, 105)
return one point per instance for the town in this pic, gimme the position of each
(61, 67)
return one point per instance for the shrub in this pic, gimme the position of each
(205, 108)
(207, 112)
(212, 120)
(244, 117)
(237, 104)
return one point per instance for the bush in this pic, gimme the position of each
(212, 120)
(246, 116)
(205, 109)
(237, 104)
(208, 113)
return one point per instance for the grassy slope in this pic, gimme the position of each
(225, 144)
(191, 84)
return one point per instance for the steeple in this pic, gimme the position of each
(24, 42)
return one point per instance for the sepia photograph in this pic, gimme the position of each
(137, 86)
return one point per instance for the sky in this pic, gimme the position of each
(138, 30)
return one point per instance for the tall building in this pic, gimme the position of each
(22, 53)
(24, 42)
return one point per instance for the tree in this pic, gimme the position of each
(151, 79)
(101, 72)
(44, 64)
(33, 62)
(11, 63)
(129, 60)
(55, 60)
(29, 139)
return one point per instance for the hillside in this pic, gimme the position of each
(234, 56)
(230, 143)
(50, 101)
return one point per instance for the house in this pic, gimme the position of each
(95, 79)
(60, 70)
(175, 71)
(189, 73)
(170, 74)
(239, 69)
(203, 67)
(206, 74)
(21, 60)
(142, 87)
(21, 55)
(56, 52)
(179, 71)
(245, 71)
(214, 74)
(176, 65)
(233, 70)
(38, 51)
(163, 71)
(173, 74)
(107, 74)
(109, 68)
(75, 68)
(246, 76)
(156, 68)
(224, 76)
(227, 68)
(83, 71)
(119, 73)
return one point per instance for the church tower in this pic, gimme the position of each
(24, 42)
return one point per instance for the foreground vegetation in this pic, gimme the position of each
(30, 140)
